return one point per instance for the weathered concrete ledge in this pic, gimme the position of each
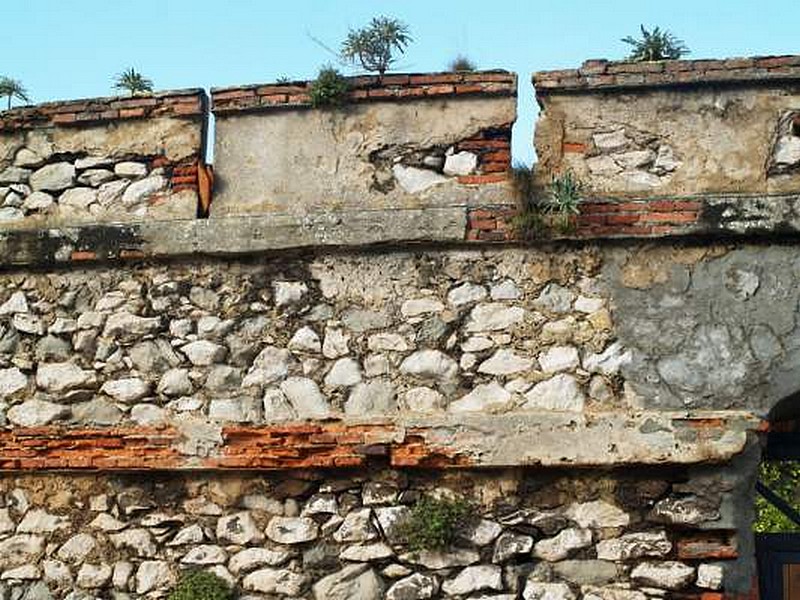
(522, 439)
(712, 216)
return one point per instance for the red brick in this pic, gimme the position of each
(770, 62)
(492, 77)
(184, 179)
(299, 99)
(483, 225)
(140, 102)
(131, 254)
(233, 95)
(61, 119)
(573, 148)
(480, 179)
(671, 217)
(187, 109)
(495, 167)
(591, 219)
(270, 90)
(381, 93)
(437, 78)
(468, 89)
(706, 548)
(128, 113)
(410, 92)
(619, 219)
(673, 205)
(78, 255)
(396, 80)
(439, 90)
(637, 67)
(274, 99)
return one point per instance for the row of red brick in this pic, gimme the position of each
(641, 218)
(365, 88)
(277, 447)
(180, 103)
(601, 74)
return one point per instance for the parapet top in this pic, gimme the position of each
(403, 86)
(171, 103)
(603, 74)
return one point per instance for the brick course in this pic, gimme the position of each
(178, 103)
(367, 88)
(603, 74)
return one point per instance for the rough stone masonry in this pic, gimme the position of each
(266, 395)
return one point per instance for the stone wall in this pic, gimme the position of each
(260, 393)
(338, 535)
(100, 160)
(673, 127)
(407, 141)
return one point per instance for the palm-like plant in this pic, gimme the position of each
(655, 45)
(13, 89)
(133, 82)
(373, 46)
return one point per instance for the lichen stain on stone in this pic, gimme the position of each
(650, 266)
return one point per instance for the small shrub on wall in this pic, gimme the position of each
(329, 88)
(201, 585)
(434, 524)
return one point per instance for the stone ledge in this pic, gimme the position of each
(522, 439)
(723, 216)
(394, 87)
(173, 103)
(604, 75)
(230, 235)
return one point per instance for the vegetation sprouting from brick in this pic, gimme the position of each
(461, 64)
(12, 89)
(133, 82)
(328, 89)
(655, 44)
(374, 46)
(542, 213)
(320, 534)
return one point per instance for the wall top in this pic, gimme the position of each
(367, 88)
(600, 74)
(171, 103)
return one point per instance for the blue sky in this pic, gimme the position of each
(72, 48)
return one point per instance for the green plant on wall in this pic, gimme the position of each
(435, 523)
(201, 585)
(562, 205)
(329, 88)
(540, 212)
(461, 64)
(657, 44)
(374, 46)
(13, 89)
(133, 82)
